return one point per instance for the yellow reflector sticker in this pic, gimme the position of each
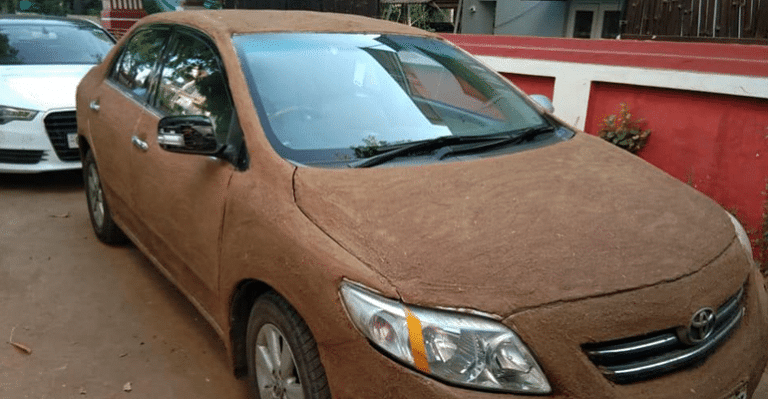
(417, 342)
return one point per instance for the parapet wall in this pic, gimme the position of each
(707, 105)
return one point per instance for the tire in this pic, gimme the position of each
(283, 361)
(101, 219)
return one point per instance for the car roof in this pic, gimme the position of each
(232, 22)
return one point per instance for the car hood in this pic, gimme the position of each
(40, 87)
(573, 220)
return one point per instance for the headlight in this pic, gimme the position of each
(742, 235)
(458, 348)
(8, 114)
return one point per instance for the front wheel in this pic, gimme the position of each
(101, 219)
(283, 361)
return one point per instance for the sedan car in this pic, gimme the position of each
(362, 210)
(42, 59)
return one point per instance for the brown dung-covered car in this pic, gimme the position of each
(362, 210)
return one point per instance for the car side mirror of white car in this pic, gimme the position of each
(544, 101)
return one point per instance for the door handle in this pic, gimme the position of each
(94, 105)
(139, 143)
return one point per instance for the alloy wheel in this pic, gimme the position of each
(275, 366)
(95, 196)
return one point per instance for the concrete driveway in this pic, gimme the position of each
(100, 321)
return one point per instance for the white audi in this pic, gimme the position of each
(42, 59)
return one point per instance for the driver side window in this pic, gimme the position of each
(192, 83)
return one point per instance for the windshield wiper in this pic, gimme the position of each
(504, 139)
(468, 144)
(401, 150)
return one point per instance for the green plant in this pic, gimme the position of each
(48, 7)
(623, 131)
(8, 6)
(418, 15)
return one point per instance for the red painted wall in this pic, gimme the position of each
(533, 84)
(716, 143)
(118, 21)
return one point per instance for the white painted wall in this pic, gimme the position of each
(573, 81)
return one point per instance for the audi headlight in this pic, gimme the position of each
(458, 348)
(742, 235)
(8, 114)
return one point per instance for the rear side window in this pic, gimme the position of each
(133, 70)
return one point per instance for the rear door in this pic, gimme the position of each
(115, 113)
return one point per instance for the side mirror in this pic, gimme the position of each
(544, 101)
(190, 134)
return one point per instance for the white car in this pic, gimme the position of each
(42, 59)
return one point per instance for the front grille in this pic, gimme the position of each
(27, 157)
(641, 358)
(58, 125)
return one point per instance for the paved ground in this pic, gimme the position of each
(96, 317)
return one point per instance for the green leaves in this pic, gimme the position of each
(624, 132)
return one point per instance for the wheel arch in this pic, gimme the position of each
(83, 145)
(243, 298)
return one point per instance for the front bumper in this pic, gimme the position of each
(738, 360)
(557, 333)
(39, 145)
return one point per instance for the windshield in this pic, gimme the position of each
(326, 94)
(54, 43)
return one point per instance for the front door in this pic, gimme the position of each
(181, 197)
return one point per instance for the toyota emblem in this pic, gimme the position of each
(700, 328)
